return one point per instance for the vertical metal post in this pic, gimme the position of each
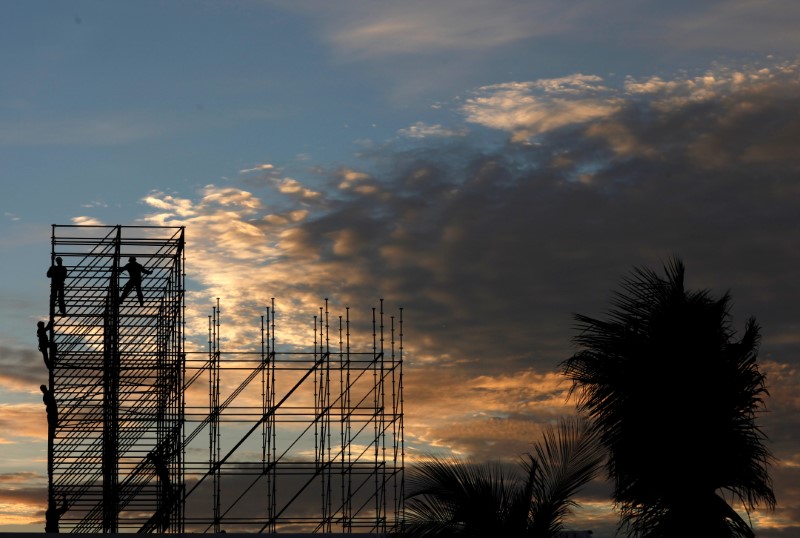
(327, 422)
(375, 430)
(111, 360)
(342, 411)
(273, 436)
(393, 418)
(400, 514)
(51, 378)
(315, 411)
(180, 397)
(381, 492)
(264, 427)
(215, 422)
(347, 517)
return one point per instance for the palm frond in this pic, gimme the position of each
(567, 458)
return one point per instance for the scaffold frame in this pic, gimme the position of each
(345, 405)
(145, 436)
(116, 373)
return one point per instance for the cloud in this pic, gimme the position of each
(358, 182)
(739, 25)
(19, 478)
(258, 168)
(293, 187)
(487, 417)
(490, 251)
(722, 80)
(423, 130)
(462, 229)
(419, 27)
(527, 109)
(22, 421)
(23, 369)
(94, 203)
(426, 48)
(85, 220)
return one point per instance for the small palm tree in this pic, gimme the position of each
(451, 497)
(675, 397)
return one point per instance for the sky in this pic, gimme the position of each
(492, 167)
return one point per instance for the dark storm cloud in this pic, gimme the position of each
(499, 248)
(491, 250)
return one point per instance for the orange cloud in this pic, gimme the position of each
(22, 421)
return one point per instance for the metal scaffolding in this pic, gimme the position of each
(297, 440)
(116, 373)
(147, 437)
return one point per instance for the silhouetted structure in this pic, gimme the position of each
(121, 456)
(119, 377)
(58, 275)
(341, 405)
(135, 271)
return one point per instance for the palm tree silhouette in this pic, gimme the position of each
(452, 497)
(675, 398)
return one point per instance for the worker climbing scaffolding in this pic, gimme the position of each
(119, 459)
(104, 412)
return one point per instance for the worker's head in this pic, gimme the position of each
(132, 259)
(40, 324)
(43, 388)
(58, 260)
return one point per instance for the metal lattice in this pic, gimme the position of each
(151, 438)
(298, 441)
(115, 458)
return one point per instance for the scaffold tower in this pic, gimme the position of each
(260, 435)
(115, 459)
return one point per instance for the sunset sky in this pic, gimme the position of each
(491, 166)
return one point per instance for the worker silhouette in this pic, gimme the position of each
(57, 275)
(45, 345)
(135, 271)
(52, 411)
(162, 472)
(54, 514)
(161, 518)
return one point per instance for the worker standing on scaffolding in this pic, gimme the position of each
(57, 275)
(135, 271)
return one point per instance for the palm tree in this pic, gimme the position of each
(452, 497)
(675, 397)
